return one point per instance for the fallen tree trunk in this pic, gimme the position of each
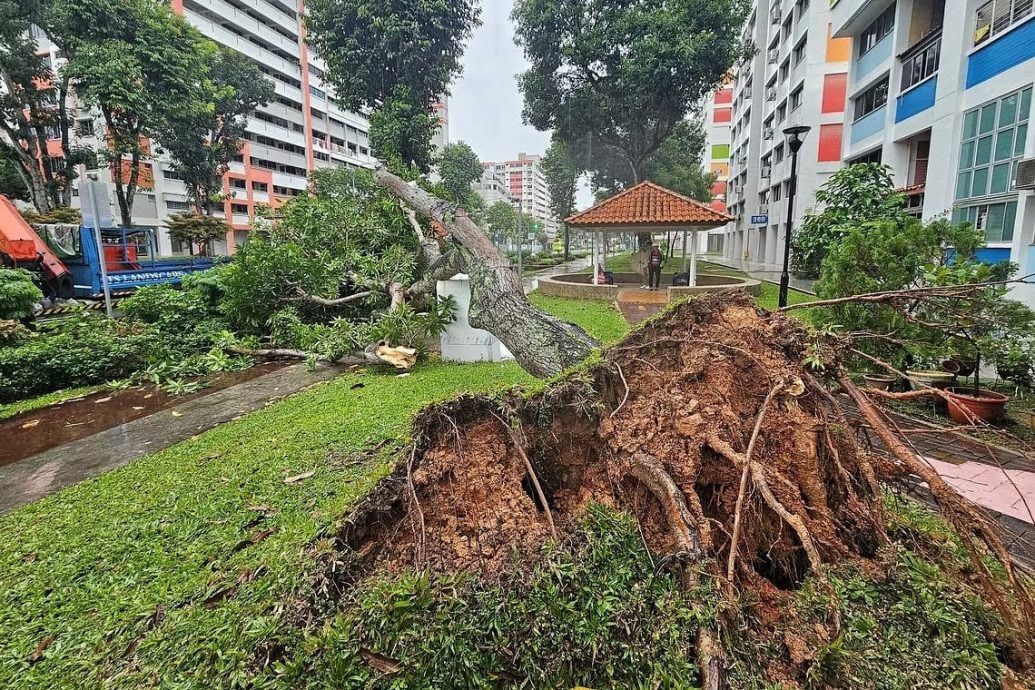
(381, 354)
(540, 342)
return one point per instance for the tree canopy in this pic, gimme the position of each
(625, 75)
(396, 59)
(202, 142)
(458, 166)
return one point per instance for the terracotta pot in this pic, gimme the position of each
(987, 405)
(878, 381)
(930, 377)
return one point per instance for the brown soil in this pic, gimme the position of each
(661, 428)
(39, 430)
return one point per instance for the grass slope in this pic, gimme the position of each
(148, 577)
(600, 319)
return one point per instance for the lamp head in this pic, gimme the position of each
(795, 136)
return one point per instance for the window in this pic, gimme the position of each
(778, 153)
(785, 70)
(239, 209)
(800, 7)
(993, 143)
(796, 98)
(781, 112)
(996, 16)
(871, 99)
(177, 205)
(260, 187)
(777, 193)
(237, 183)
(921, 62)
(171, 175)
(799, 52)
(996, 220)
(881, 27)
(319, 93)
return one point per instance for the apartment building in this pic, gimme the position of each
(949, 82)
(492, 187)
(526, 185)
(716, 115)
(797, 76)
(300, 130)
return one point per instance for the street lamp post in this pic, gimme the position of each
(795, 138)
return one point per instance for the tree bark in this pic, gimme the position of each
(541, 343)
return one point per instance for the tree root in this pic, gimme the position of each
(653, 476)
(519, 446)
(965, 517)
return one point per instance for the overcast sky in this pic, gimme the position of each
(485, 106)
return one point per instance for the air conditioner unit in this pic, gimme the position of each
(775, 15)
(770, 93)
(747, 92)
(767, 171)
(774, 56)
(767, 132)
(763, 209)
(743, 159)
(1026, 174)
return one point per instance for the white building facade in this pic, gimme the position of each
(948, 83)
(716, 114)
(525, 184)
(300, 130)
(797, 76)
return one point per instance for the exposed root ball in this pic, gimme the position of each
(660, 427)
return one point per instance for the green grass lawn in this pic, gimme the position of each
(47, 399)
(145, 577)
(770, 297)
(600, 319)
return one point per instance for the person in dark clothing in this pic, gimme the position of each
(654, 262)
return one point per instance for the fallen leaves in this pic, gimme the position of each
(299, 477)
(37, 654)
(254, 538)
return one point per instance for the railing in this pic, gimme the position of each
(996, 16)
(921, 60)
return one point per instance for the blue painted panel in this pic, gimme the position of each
(1000, 54)
(866, 127)
(873, 57)
(988, 255)
(916, 100)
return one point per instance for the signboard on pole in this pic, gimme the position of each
(760, 220)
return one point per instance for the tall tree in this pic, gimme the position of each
(33, 110)
(676, 164)
(458, 166)
(202, 142)
(146, 67)
(395, 58)
(501, 221)
(562, 172)
(625, 74)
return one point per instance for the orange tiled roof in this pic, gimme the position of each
(648, 204)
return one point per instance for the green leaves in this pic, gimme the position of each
(18, 293)
(458, 166)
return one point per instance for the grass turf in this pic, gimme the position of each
(8, 410)
(600, 319)
(162, 573)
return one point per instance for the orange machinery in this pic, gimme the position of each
(21, 247)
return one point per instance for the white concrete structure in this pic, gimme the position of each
(300, 130)
(958, 91)
(461, 342)
(525, 183)
(492, 188)
(796, 77)
(716, 114)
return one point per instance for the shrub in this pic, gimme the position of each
(196, 230)
(18, 293)
(83, 350)
(63, 215)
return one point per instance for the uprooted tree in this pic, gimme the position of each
(739, 462)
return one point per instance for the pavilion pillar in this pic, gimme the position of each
(693, 259)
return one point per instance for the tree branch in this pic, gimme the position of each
(911, 293)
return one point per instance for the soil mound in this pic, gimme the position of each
(714, 425)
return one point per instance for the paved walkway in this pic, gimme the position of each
(999, 479)
(34, 477)
(769, 276)
(531, 280)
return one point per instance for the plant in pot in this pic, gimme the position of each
(983, 322)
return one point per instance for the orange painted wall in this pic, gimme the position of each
(721, 169)
(838, 49)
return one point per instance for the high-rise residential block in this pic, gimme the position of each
(716, 116)
(797, 76)
(942, 92)
(300, 130)
(526, 185)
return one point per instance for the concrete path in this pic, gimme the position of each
(34, 477)
(531, 280)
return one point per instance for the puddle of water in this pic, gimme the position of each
(33, 432)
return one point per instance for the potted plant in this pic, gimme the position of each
(983, 322)
(878, 381)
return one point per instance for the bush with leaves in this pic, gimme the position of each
(18, 293)
(853, 196)
(62, 215)
(196, 230)
(79, 351)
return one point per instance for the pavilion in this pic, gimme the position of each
(650, 208)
